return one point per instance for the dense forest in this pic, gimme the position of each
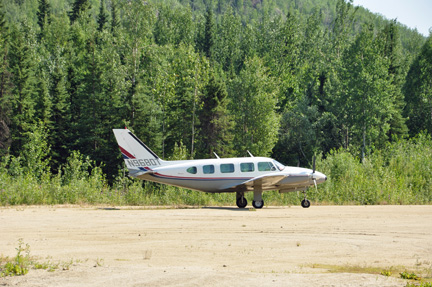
(283, 78)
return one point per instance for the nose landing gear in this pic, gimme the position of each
(305, 202)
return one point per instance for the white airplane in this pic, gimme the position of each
(237, 175)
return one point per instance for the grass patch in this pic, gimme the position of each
(23, 262)
(19, 265)
(395, 271)
(350, 268)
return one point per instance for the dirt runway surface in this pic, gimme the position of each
(274, 246)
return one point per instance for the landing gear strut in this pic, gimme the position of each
(258, 202)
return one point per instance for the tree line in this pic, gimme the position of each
(193, 78)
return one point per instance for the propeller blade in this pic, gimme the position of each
(314, 165)
(316, 187)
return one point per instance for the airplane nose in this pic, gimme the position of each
(320, 177)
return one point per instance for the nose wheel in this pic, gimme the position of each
(305, 203)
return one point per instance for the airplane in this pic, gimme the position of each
(217, 175)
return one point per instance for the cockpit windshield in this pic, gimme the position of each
(278, 165)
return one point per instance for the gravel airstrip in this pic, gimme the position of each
(219, 246)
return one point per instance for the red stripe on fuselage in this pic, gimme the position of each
(157, 174)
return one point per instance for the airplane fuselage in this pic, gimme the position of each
(224, 175)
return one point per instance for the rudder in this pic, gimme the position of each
(137, 156)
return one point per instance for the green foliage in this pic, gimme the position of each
(410, 276)
(43, 14)
(253, 104)
(22, 263)
(79, 8)
(215, 123)
(386, 273)
(395, 175)
(422, 284)
(418, 91)
(18, 265)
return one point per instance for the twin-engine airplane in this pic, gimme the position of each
(237, 175)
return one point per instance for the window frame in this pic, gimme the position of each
(192, 170)
(226, 165)
(248, 165)
(268, 164)
(211, 171)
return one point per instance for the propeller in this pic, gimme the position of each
(313, 172)
(314, 158)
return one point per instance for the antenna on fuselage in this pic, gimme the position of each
(216, 155)
(250, 153)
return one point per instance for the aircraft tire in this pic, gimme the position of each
(259, 205)
(241, 202)
(305, 203)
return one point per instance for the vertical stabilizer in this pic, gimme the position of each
(137, 156)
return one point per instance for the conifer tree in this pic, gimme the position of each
(78, 7)
(5, 85)
(23, 78)
(114, 17)
(391, 50)
(215, 123)
(43, 13)
(102, 17)
(208, 41)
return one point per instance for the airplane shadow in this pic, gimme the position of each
(108, 208)
(227, 208)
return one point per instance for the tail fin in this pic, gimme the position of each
(138, 157)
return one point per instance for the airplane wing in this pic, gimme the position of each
(276, 181)
(267, 181)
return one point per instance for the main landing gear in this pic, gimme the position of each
(241, 200)
(258, 202)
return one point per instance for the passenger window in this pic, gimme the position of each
(266, 166)
(227, 167)
(192, 170)
(207, 169)
(247, 167)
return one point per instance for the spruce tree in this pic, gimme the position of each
(215, 124)
(114, 20)
(23, 78)
(78, 7)
(208, 41)
(5, 85)
(102, 17)
(43, 14)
